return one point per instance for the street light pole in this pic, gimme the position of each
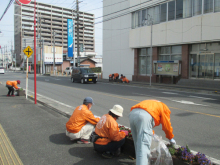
(35, 76)
(151, 23)
(53, 52)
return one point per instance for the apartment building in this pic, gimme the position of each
(50, 18)
(182, 30)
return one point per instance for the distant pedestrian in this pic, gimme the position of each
(11, 85)
(109, 138)
(143, 117)
(82, 122)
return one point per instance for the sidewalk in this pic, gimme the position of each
(37, 136)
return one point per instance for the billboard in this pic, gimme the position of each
(70, 37)
(48, 55)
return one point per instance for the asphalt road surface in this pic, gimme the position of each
(195, 117)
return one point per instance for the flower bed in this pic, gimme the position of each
(180, 156)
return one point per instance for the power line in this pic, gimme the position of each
(9, 4)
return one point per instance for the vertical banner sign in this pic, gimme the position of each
(70, 37)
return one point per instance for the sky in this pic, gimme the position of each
(90, 6)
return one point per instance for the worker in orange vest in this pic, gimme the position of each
(111, 77)
(109, 139)
(82, 122)
(143, 117)
(115, 76)
(11, 85)
(124, 79)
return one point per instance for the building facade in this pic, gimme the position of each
(50, 18)
(184, 30)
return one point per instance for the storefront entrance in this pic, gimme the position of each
(205, 65)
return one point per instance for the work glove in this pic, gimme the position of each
(126, 132)
(172, 142)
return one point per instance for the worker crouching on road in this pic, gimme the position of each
(115, 76)
(109, 138)
(82, 122)
(11, 85)
(124, 79)
(143, 117)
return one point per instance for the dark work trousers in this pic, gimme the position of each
(10, 89)
(111, 146)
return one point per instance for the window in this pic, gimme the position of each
(170, 53)
(139, 18)
(144, 17)
(187, 8)
(171, 10)
(179, 9)
(163, 12)
(142, 61)
(154, 12)
(197, 7)
(217, 5)
(134, 20)
(208, 6)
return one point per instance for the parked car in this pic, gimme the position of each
(68, 70)
(2, 70)
(83, 75)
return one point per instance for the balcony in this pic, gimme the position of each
(88, 16)
(88, 35)
(86, 31)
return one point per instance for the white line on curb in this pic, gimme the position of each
(54, 100)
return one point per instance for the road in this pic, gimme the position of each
(195, 117)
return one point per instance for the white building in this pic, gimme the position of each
(185, 30)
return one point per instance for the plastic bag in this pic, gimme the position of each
(160, 154)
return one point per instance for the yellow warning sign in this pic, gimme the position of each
(28, 51)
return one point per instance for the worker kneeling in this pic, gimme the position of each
(143, 117)
(82, 122)
(11, 85)
(124, 79)
(109, 139)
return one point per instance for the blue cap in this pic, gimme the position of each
(88, 100)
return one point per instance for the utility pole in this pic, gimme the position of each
(151, 23)
(24, 55)
(2, 57)
(15, 61)
(77, 19)
(53, 52)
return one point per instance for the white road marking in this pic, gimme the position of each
(170, 93)
(54, 100)
(188, 102)
(47, 80)
(203, 98)
(179, 101)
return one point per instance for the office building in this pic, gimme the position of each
(183, 30)
(50, 18)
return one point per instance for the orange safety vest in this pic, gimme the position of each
(125, 79)
(107, 128)
(81, 115)
(12, 83)
(160, 112)
(116, 75)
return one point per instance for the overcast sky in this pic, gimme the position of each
(91, 6)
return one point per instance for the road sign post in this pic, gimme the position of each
(28, 52)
